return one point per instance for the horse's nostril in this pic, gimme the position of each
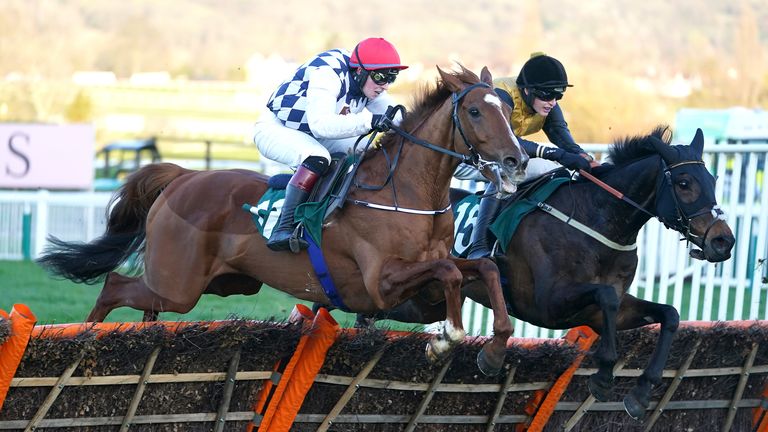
(723, 244)
(511, 162)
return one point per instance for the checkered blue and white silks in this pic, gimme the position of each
(289, 101)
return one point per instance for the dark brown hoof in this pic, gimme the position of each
(487, 365)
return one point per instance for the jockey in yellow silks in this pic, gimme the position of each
(533, 96)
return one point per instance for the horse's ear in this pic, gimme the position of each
(451, 82)
(697, 145)
(485, 76)
(664, 150)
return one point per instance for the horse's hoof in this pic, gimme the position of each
(636, 403)
(634, 407)
(601, 390)
(487, 366)
(435, 355)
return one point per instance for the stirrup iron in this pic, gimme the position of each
(295, 241)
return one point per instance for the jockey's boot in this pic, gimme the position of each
(296, 193)
(482, 238)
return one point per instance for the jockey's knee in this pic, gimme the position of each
(317, 164)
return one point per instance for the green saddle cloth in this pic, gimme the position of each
(266, 213)
(505, 224)
(508, 220)
(311, 214)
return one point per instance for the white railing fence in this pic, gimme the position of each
(735, 289)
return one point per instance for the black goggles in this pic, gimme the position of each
(547, 95)
(381, 77)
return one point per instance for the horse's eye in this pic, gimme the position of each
(474, 112)
(683, 184)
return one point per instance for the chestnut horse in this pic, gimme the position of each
(196, 239)
(557, 276)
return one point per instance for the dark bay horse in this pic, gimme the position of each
(196, 239)
(557, 276)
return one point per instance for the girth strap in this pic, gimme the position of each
(585, 229)
(317, 259)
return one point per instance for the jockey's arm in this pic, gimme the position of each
(380, 105)
(323, 120)
(558, 133)
(469, 172)
(534, 150)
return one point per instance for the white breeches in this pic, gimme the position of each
(290, 146)
(539, 166)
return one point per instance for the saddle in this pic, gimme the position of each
(528, 187)
(513, 209)
(328, 194)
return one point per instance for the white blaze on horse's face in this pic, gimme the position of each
(509, 180)
(493, 100)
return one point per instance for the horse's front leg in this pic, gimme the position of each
(400, 280)
(576, 298)
(491, 358)
(636, 313)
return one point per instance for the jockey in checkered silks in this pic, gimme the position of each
(323, 108)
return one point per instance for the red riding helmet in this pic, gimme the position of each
(375, 53)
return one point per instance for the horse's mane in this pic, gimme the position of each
(632, 148)
(428, 99)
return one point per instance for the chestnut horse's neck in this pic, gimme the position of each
(422, 176)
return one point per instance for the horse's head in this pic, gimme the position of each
(685, 199)
(483, 127)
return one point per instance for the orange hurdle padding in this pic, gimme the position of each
(269, 392)
(323, 334)
(760, 415)
(102, 328)
(22, 322)
(583, 337)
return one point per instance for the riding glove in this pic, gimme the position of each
(567, 159)
(381, 123)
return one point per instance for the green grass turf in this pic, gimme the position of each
(56, 301)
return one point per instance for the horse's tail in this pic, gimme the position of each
(125, 233)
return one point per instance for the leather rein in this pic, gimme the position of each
(682, 221)
(473, 158)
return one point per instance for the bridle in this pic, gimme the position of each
(677, 219)
(681, 220)
(473, 158)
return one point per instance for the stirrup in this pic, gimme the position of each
(295, 242)
(488, 252)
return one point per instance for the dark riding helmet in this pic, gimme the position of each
(375, 54)
(543, 77)
(543, 72)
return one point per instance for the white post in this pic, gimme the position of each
(41, 222)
